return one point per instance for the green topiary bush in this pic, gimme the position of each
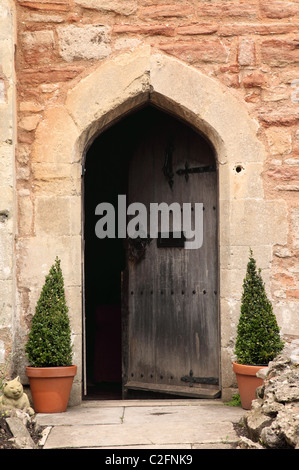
(49, 340)
(258, 338)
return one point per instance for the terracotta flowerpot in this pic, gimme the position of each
(247, 382)
(50, 387)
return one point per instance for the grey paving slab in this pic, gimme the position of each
(143, 425)
(82, 416)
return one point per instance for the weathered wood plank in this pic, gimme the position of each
(173, 292)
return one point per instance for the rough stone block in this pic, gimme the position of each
(85, 42)
(21, 434)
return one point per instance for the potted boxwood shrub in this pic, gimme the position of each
(49, 349)
(258, 339)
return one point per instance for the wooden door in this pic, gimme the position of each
(173, 329)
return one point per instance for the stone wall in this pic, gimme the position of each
(247, 49)
(7, 179)
(273, 421)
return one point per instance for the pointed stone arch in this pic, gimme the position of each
(110, 91)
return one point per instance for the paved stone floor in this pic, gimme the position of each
(143, 424)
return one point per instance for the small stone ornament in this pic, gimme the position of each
(14, 396)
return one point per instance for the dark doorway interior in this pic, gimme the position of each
(105, 178)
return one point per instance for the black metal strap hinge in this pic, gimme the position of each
(199, 169)
(201, 380)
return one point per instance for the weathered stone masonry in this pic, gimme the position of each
(69, 68)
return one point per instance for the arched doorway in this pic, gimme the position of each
(95, 102)
(151, 304)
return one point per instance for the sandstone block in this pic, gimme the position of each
(295, 227)
(59, 179)
(6, 304)
(292, 161)
(37, 254)
(30, 107)
(85, 42)
(50, 74)
(247, 183)
(236, 257)
(73, 297)
(126, 43)
(285, 117)
(246, 52)
(6, 164)
(2, 92)
(278, 9)
(284, 174)
(55, 5)
(286, 312)
(40, 17)
(6, 249)
(6, 122)
(258, 222)
(37, 39)
(240, 29)
(229, 9)
(109, 86)
(166, 11)
(58, 149)
(205, 50)
(279, 141)
(122, 7)
(253, 80)
(279, 51)
(145, 29)
(293, 294)
(5, 17)
(38, 46)
(52, 216)
(197, 29)
(29, 123)
(25, 216)
(7, 196)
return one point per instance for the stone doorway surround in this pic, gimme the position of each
(111, 90)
